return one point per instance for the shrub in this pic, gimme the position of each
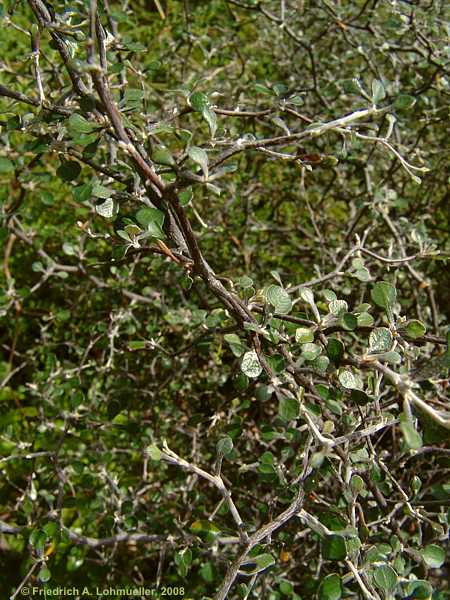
(224, 346)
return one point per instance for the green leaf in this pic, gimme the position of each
(207, 572)
(237, 346)
(334, 548)
(124, 235)
(69, 249)
(69, 170)
(378, 91)
(393, 358)
(277, 363)
(263, 393)
(380, 340)
(419, 590)
(82, 192)
(210, 117)
(412, 437)
(199, 156)
(311, 351)
(364, 319)
(359, 397)
(337, 307)
(132, 99)
(347, 379)
(162, 156)
(433, 556)
(288, 408)
(413, 329)
(154, 453)
(329, 295)
(321, 364)
(224, 445)
(199, 101)
(317, 459)
(250, 365)
(51, 529)
(286, 587)
(264, 561)
(352, 86)
(186, 196)
(304, 335)
(106, 209)
(6, 165)
(37, 266)
(183, 560)
(296, 100)
(37, 539)
(384, 295)
(262, 89)
(357, 484)
(205, 530)
(379, 553)
(90, 142)
(306, 295)
(44, 575)
(241, 381)
(335, 350)
(362, 274)
(279, 299)
(348, 321)
(78, 124)
(132, 230)
(404, 102)
(385, 578)
(152, 220)
(280, 88)
(99, 191)
(137, 345)
(244, 282)
(330, 588)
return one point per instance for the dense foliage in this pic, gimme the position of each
(224, 351)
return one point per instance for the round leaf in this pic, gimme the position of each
(385, 578)
(78, 124)
(335, 349)
(334, 548)
(364, 319)
(69, 170)
(347, 379)
(330, 587)
(162, 156)
(154, 453)
(434, 556)
(384, 295)
(224, 445)
(311, 351)
(404, 102)
(44, 575)
(250, 364)
(348, 321)
(199, 101)
(288, 408)
(380, 340)
(279, 299)
(414, 329)
(199, 156)
(338, 307)
(378, 91)
(106, 209)
(6, 166)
